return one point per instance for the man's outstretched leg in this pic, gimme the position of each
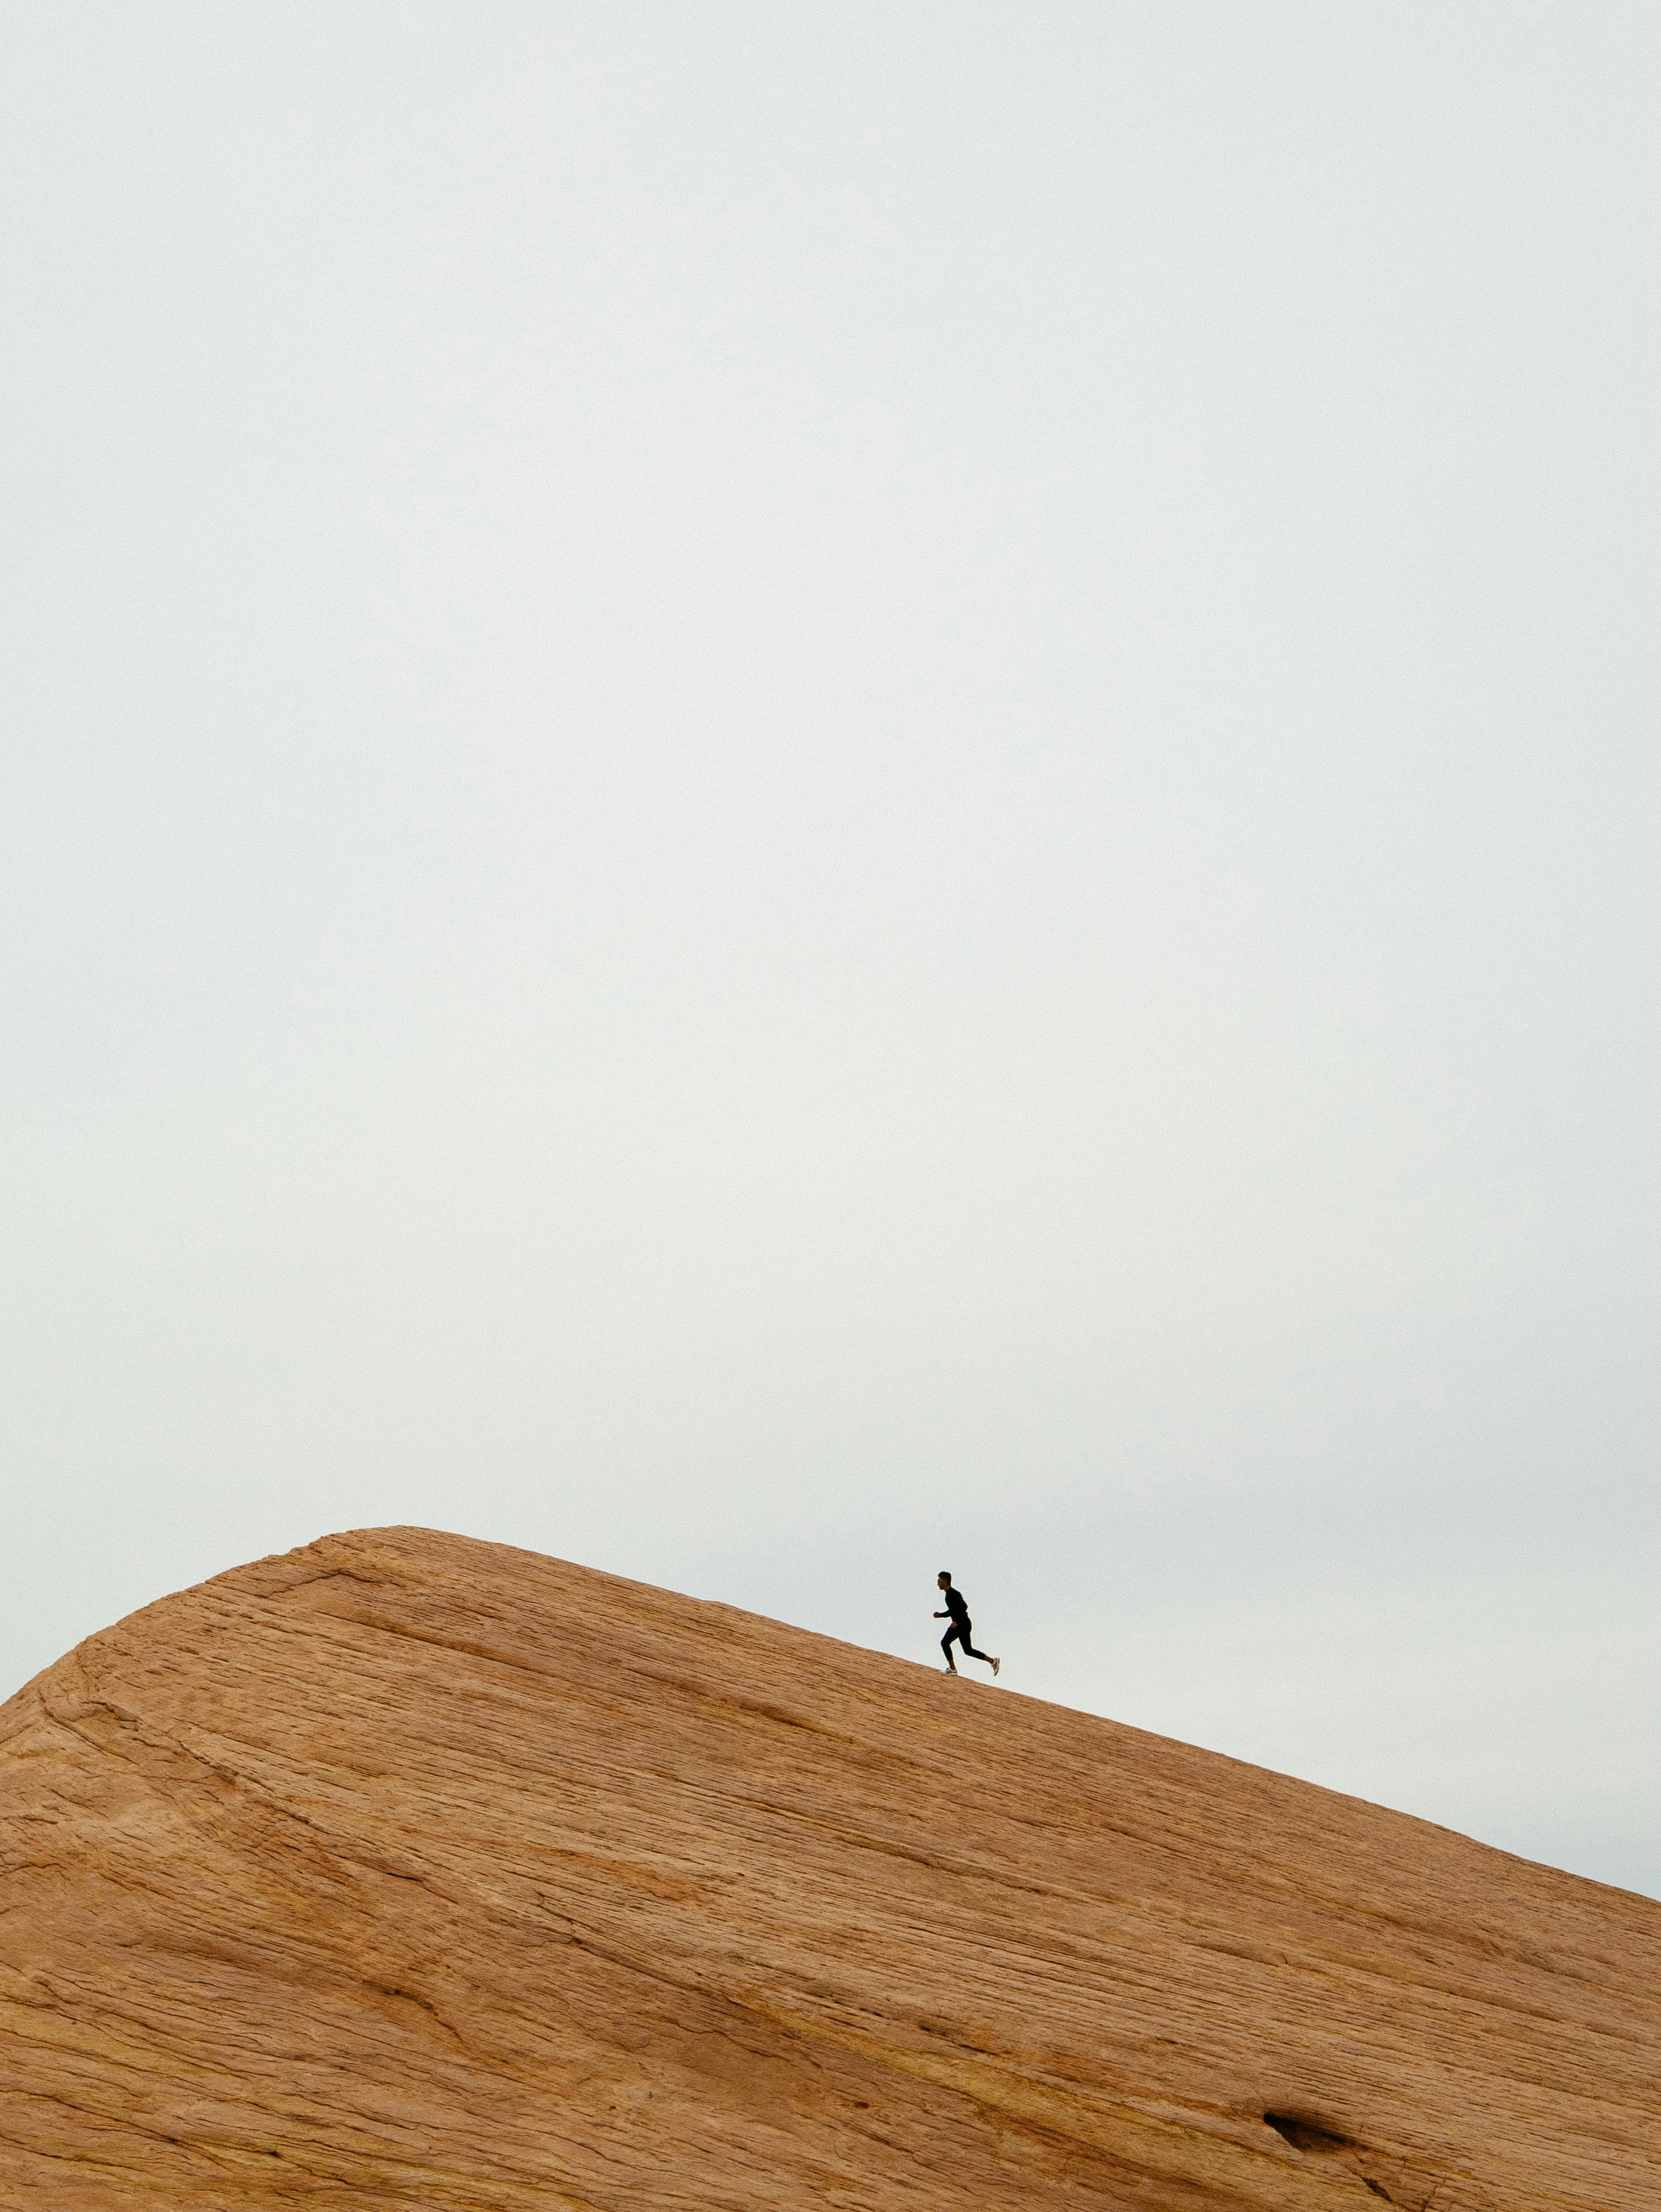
(970, 1652)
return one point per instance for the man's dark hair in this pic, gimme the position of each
(944, 1575)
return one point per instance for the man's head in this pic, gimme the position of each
(943, 1579)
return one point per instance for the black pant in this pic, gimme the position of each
(960, 1629)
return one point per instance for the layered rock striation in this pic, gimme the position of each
(409, 1871)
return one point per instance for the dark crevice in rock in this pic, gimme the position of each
(1308, 2136)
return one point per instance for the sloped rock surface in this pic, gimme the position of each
(405, 1870)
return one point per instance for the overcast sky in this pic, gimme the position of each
(797, 792)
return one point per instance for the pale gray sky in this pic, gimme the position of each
(794, 792)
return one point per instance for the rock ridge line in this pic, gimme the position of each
(404, 1870)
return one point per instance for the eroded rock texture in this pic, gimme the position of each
(404, 1870)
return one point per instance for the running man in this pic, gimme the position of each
(957, 1611)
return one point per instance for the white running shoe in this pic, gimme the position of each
(996, 1663)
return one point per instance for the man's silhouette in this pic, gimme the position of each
(957, 1611)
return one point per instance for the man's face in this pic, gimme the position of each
(945, 1580)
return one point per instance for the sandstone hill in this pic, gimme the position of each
(408, 1871)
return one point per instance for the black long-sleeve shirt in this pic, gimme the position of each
(957, 1605)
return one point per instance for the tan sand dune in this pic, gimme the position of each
(406, 1870)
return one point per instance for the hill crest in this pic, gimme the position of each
(407, 1869)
